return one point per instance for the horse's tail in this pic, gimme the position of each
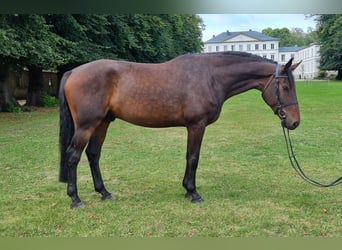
(66, 130)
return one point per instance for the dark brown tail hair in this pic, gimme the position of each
(66, 130)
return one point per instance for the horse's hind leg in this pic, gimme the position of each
(74, 152)
(93, 152)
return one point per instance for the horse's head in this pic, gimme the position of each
(280, 94)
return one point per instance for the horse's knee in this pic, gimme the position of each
(74, 158)
(74, 154)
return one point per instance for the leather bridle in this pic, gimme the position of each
(278, 109)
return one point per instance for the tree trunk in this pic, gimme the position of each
(6, 97)
(35, 87)
(339, 75)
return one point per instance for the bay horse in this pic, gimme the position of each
(186, 91)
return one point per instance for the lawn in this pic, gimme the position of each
(244, 175)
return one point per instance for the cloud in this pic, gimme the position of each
(217, 23)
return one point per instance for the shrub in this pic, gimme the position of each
(322, 74)
(12, 107)
(48, 100)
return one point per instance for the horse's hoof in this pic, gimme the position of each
(107, 197)
(78, 204)
(195, 197)
(197, 200)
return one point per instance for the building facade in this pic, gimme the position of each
(268, 47)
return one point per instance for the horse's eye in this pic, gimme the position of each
(286, 88)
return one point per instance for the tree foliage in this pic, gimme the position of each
(63, 41)
(294, 37)
(27, 40)
(53, 40)
(134, 37)
(330, 34)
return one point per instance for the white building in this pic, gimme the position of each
(268, 47)
(310, 55)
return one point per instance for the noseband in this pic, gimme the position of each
(280, 105)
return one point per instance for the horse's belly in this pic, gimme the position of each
(150, 114)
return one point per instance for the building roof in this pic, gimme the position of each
(251, 33)
(291, 48)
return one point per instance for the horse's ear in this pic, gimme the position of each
(289, 65)
(294, 66)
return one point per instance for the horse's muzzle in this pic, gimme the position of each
(289, 124)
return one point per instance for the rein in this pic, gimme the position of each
(297, 167)
(294, 162)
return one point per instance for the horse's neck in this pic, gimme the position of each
(236, 78)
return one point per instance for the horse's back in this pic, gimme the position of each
(152, 95)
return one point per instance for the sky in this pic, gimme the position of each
(218, 23)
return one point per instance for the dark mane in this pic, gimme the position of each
(241, 54)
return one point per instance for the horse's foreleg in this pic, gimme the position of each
(93, 152)
(195, 136)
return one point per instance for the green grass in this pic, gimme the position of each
(244, 175)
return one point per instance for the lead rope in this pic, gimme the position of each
(297, 167)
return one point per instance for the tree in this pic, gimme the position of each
(85, 38)
(188, 33)
(292, 38)
(28, 42)
(122, 36)
(283, 34)
(10, 52)
(330, 35)
(144, 30)
(42, 52)
(6, 97)
(63, 41)
(154, 38)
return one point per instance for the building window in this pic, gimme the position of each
(256, 46)
(240, 47)
(233, 47)
(217, 48)
(272, 57)
(272, 45)
(248, 47)
(225, 47)
(283, 58)
(264, 56)
(264, 46)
